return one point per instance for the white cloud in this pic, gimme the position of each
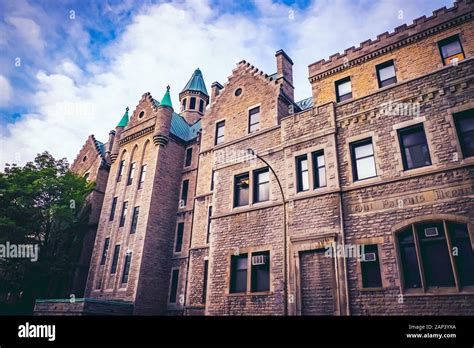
(28, 31)
(5, 91)
(163, 45)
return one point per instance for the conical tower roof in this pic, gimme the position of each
(196, 83)
(124, 121)
(166, 101)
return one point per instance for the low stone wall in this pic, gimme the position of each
(82, 307)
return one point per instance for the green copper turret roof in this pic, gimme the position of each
(124, 121)
(196, 83)
(166, 101)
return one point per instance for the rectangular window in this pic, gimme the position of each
(174, 285)
(465, 255)
(260, 272)
(209, 214)
(261, 185)
(302, 173)
(220, 127)
(386, 73)
(435, 255)
(343, 89)
(451, 49)
(124, 214)
(241, 190)
(113, 269)
(319, 169)
(363, 160)
(409, 259)
(184, 193)
(414, 148)
(179, 237)
(204, 283)
(370, 267)
(425, 254)
(238, 273)
(201, 106)
(254, 120)
(213, 177)
(142, 176)
(192, 103)
(133, 228)
(105, 251)
(121, 169)
(465, 129)
(189, 157)
(112, 210)
(126, 267)
(183, 107)
(131, 173)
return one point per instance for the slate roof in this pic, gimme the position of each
(196, 83)
(181, 128)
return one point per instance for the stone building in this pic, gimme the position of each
(356, 201)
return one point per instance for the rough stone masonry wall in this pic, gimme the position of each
(371, 211)
(260, 228)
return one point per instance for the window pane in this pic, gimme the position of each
(179, 237)
(366, 168)
(417, 156)
(414, 138)
(363, 150)
(174, 286)
(411, 273)
(261, 273)
(387, 72)
(465, 256)
(302, 173)
(467, 124)
(322, 176)
(344, 88)
(451, 48)
(241, 190)
(192, 103)
(105, 251)
(126, 267)
(320, 160)
(238, 281)
(113, 269)
(415, 148)
(435, 257)
(465, 129)
(370, 268)
(262, 186)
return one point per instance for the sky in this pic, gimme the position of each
(69, 68)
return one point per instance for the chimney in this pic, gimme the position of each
(285, 72)
(215, 89)
(110, 143)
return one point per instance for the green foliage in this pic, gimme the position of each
(42, 203)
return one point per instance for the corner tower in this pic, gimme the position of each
(194, 98)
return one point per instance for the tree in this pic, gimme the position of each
(44, 204)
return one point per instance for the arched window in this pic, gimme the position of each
(436, 254)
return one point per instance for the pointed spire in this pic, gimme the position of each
(124, 121)
(196, 83)
(166, 101)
